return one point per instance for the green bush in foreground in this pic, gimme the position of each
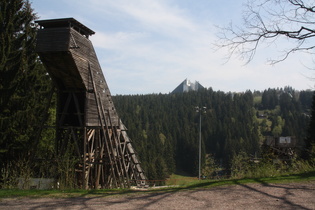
(243, 166)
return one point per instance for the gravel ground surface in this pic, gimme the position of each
(247, 196)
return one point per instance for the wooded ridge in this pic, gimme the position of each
(165, 127)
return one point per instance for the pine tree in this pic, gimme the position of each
(310, 141)
(24, 84)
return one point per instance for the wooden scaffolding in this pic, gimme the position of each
(283, 147)
(86, 119)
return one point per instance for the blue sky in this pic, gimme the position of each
(150, 46)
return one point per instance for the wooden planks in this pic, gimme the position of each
(86, 116)
(68, 57)
(86, 60)
(53, 40)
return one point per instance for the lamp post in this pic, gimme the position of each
(200, 110)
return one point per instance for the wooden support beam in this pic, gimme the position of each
(102, 121)
(77, 106)
(122, 159)
(85, 174)
(65, 108)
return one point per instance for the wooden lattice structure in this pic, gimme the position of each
(282, 147)
(86, 116)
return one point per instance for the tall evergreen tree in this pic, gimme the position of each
(24, 84)
(310, 141)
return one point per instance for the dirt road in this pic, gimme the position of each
(249, 196)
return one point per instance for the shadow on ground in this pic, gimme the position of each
(267, 193)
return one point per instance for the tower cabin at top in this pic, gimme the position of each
(71, 61)
(66, 23)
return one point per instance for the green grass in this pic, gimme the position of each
(7, 193)
(176, 179)
(257, 99)
(188, 183)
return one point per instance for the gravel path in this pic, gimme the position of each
(247, 196)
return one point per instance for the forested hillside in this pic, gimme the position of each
(165, 127)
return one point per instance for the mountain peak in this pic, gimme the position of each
(187, 86)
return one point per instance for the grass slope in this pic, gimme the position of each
(183, 183)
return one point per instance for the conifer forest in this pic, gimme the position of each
(165, 127)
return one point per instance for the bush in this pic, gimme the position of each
(13, 171)
(244, 167)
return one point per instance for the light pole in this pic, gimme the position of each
(200, 110)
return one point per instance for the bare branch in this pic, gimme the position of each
(300, 4)
(267, 21)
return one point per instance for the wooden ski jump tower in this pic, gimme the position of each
(87, 120)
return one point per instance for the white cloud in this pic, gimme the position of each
(169, 48)
(147, 46)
